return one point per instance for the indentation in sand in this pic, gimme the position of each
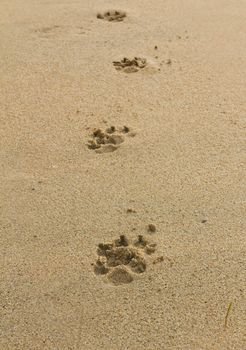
(147, 65)
(109, 140)
(120, 275)
(112, 16)
(130, 65)
(121, 260)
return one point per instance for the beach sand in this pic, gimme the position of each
(96, 144)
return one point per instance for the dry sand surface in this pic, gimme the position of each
(111, 122)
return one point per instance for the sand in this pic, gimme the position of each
(126, 124)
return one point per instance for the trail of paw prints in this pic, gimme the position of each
(122, 260)
(109, 140)
(112, 16)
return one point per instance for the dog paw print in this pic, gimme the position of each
(109, 140)
(112, 16)
(127, 65)
(122, 260)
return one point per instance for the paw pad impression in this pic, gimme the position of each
(121, 260)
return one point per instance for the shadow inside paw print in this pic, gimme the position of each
(112, 16)
(121, 260)
(130, 66)
(107, 141)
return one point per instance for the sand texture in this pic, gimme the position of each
(123, 175)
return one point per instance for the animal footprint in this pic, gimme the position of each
(112, 16)
(108, 141)
(121, 260)
(130, 66)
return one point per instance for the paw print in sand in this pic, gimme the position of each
(109, 140)
(112, 16)
(121, 260)
(130, 66)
